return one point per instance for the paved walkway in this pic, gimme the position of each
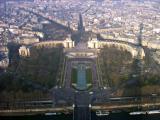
(82, 110)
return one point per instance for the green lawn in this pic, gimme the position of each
(89, 75)
(74, 75)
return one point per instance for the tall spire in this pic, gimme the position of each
(140, 34)
(80, 23)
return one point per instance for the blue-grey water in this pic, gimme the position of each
(115, 116)
(81, 82)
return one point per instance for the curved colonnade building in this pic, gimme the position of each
(135, 50)
(25, 50)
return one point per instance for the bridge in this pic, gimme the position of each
(82, 111)
(81, 105)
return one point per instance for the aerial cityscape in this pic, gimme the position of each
(80, 59)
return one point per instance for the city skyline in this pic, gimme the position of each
(88, 60)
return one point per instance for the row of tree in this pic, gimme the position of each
(35, 74)
(127, 75)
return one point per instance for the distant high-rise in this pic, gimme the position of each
(6, 31)
(68, 24)
(140, 34)
(80, 23)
